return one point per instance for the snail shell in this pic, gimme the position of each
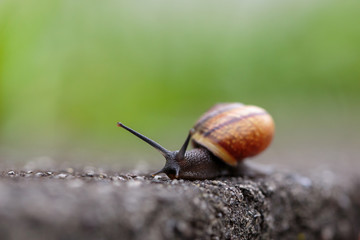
(234, 131)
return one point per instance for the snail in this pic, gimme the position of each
(222, 138)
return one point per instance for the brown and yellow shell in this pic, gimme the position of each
(234, 131)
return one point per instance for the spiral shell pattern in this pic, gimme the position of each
(234, 131)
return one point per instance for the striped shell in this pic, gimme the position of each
(234, 131)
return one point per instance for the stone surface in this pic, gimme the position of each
(94, 204)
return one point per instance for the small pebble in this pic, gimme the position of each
(139, 178)
(39, 174)
(61, 175)
(103, 175)
(218, 183)
(157, 177)
(130, 176)
(90, 174)
(113, 178)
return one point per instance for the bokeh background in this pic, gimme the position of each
(69, 70)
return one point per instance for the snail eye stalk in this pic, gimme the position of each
(180, 155)
(166, 153)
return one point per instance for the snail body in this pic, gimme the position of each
(222, 138)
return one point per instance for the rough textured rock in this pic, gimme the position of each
(94, 204)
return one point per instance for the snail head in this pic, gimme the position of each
(173, 158)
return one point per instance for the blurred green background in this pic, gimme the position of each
(70, 69)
